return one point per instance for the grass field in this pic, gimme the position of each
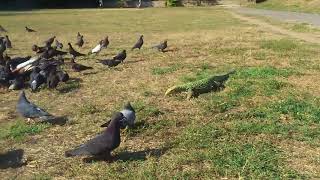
(263, 125)
(311, 6)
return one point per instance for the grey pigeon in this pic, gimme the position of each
(121, 56)
(162, 46)
(138, 44)
(30, 110)
(73, 52)
(130, 114)
(110, 62)
(7, 42)
(59, 44)
(2, 29)
(80, 41)
(102, 144)
(29, 30)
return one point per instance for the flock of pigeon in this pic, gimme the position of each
(45, 68)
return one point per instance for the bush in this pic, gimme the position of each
(172, 3)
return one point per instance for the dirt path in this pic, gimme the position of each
(313, 19)
(238, 12)
(302, 36)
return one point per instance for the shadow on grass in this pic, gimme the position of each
(12, 159)
(71, 85)
(62, 120)
(129, 156)
(132, 62)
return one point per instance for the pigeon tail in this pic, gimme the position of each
(76, 152)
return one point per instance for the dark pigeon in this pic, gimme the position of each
(38, 49)
(30, 110)
(78, 67)
(53, 79)
(162, 46)
(80, 41)
(59, 44)
(49, 42)
(63, 76)
(17, 83)
(7, 42)
(2, 47)
(29, 30)
(78, 35)
(73, 52)
(36, 79)
(110, 62)
(138, 44)
(121, 56)
(52, 52)
(102, 144)
(2, 29)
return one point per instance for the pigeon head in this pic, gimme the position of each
(115, 122)
(128, 106)
(141, 36)
(7, 36)
(124, 51)
(165, 41)
(35, 47)
(69, 44)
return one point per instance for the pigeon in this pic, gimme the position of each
(121, 56)
(78, 67)
(162, 46)
(138, 44)
(110, 62)
(78, 35)
(129, 113)
(80, 41)
(102, 144)
(36, 79)
(130, 116)
(2, 29)
(101, 45)
(52, 52)
(53, 79)
(73, 52)
(2, 47)
(30, 110)
(38, 49)
(7, 42)
(63, 76)
(17, 83)
(59, 44)
(49, 41)
(29, 30)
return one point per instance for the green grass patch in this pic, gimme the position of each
(165, 70)
(281, 45)
(19, 129)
